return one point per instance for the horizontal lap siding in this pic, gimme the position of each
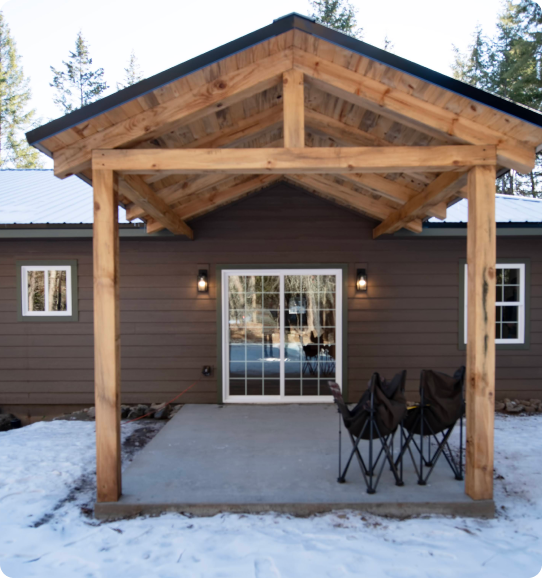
(407, 320)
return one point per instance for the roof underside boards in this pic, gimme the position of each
(37, 197)
(353, 95)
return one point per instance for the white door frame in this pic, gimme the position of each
(280, 272)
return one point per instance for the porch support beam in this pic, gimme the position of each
(183, 109)
(296, 160)
(106, 336)
(293, 96)
(410, 110)
(142, 195)
(444, 186)
(393, 190)
(480, 378)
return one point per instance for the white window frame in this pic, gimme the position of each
(24, 290)
(282, 398)
(520, 304)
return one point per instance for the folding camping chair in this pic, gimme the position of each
(377, 416)
(441, 406)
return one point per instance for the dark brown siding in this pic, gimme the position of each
(408, 319)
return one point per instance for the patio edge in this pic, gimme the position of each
(469, 509)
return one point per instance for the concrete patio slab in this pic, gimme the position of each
(281, 458)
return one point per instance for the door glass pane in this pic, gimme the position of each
(36, 290)
(309, 325)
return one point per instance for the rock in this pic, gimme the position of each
(9, 421)
(499, 406)
(91, 412)
(506, 400)
(161, 411)
(174, 410)
(138, 411)
(125, 411)
(530, 409)
(515, 408)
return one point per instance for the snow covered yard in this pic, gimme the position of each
(46, 529)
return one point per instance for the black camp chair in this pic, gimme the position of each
(377, 416)
(441, 406)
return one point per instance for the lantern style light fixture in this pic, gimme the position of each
(203, 281)
(361, 280)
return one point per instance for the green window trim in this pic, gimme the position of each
(72, 263)
(218, 280)
(499, 346)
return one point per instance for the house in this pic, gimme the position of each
(288, 185)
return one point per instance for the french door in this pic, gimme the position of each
(282, 331)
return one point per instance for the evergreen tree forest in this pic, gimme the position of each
(509, 64)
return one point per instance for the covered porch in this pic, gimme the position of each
(345, 121)
(277, 458)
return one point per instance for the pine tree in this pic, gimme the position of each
(15, 117)
(509, 65)
(132, 73)
(77, 85)
(337, 14)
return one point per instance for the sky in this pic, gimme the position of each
(164, 33)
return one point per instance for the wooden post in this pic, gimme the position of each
(107, 335)
(294, 109)
(480, 378)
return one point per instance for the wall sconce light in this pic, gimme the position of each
(361, 280)
(203, 281)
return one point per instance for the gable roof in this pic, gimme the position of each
(281, 25)
(380, 135)
(36, 196)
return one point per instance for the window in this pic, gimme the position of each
(510, 304)
(47, 290)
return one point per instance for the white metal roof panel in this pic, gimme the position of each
(36, 196)
(508, 209)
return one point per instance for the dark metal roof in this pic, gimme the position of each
(279, 26)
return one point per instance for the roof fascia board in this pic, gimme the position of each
(278, 27)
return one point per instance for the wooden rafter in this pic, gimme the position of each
(393, 190)
(442, 187)
(410, 110)
(213, 96)
(135, 188)
(296, 161)
(294, 109)
(228, 192)
(331, 189)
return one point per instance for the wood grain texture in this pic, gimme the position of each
(107, 337)
(480, 378)
(295, 161)
(294, 109)
(410, 110)
(436, 192)
(187, 107)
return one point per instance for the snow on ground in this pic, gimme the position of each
(45, 529)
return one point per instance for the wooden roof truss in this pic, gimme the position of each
(301, 109)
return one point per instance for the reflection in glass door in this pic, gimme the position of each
(281, 334)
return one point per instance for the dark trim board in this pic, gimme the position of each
(219, 326)
(462, 346)
(279, 26)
